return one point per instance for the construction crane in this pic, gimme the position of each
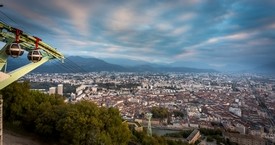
(17, 42)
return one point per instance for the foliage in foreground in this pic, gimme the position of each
(82, 123)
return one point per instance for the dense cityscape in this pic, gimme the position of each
(242, 103)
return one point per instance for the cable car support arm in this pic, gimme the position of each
(28, 43)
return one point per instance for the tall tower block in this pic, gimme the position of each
(52, 90)
(60, 89)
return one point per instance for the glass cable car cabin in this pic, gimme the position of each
(35, 56)
(14, 50)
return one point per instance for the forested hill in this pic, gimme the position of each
(82, 123)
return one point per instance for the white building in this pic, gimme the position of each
(94, 89)
(133, 100)
(52, 90)
(60, 89)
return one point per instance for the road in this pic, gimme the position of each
(11, 138)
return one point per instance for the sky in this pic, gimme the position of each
(219, 34)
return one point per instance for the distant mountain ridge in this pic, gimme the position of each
(73, 64)
(125, 62)
(266, 68)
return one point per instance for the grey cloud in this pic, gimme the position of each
(141, 35)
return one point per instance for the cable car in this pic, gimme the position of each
(35, 56)
(14, 50)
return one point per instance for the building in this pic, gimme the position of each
(242, 139)
(52, 90)
(236, 111)
(60, 89)
(193, 137)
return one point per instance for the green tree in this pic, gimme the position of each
(14, 97)
(113, 125)
(159, 112)
(178, 113)
(82, 123)
(79, 124)
(209, 139)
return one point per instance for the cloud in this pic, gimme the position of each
(187, 55)
(181, 30)
(210, 31)
(232, 37)
(78, 12)
(271, 26)
(122, 19)
(186, 16)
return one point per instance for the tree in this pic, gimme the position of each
(209, 139)
(14, 97)
(159, 112)
(118, 131)
(178, 113)
(82, 123)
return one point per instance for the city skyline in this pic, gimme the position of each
(224, 35)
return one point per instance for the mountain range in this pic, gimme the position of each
(82, 64)
(266, 68)
(74, 64)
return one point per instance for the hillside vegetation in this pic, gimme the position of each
(48, 116)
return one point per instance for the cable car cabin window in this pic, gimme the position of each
(15, 53)
(35, 53)
(14, 46)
